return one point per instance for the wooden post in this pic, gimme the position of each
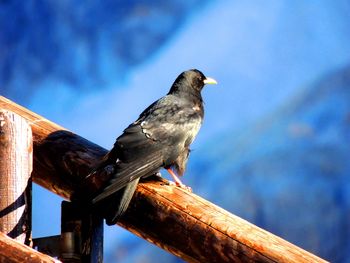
(175, 220)
(15, 169)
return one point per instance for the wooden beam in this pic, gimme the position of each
(198, 231)
(16, 152)
(12, 251)
(175, 220)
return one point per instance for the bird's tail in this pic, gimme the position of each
(115, 205)
(112, 207)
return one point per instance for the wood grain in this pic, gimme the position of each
(199, 231)
(16, 152)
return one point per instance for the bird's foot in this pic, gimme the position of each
(178, 182)
(183, 186)
(180, 185)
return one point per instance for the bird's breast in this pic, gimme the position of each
(192, 128)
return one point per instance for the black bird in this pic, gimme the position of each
(160, 137)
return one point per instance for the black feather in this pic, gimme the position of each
(160, 137)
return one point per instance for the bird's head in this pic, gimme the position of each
(191, 81)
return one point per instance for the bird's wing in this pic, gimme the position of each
(172, 121)
(133, 156)
(151, 142)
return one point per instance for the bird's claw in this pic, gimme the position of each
(170, 183)
(180, 185)
(185, 187)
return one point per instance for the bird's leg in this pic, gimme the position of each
(177, 180)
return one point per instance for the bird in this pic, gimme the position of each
(159, 138)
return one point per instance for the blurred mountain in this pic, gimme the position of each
(71, 43)
(286, 173)
(290, 172)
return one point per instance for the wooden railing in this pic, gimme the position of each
(180, 222)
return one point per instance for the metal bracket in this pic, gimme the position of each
(81, 238)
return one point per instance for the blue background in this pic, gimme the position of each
(274, 147)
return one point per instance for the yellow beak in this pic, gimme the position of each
(210, 81)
